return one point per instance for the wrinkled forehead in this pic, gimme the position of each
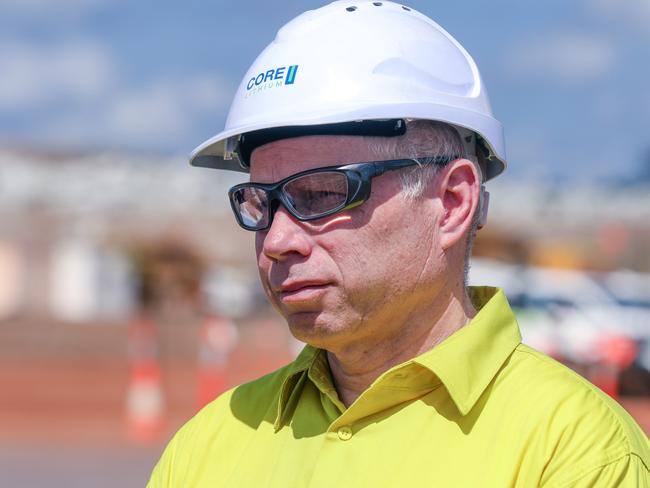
(279, 159)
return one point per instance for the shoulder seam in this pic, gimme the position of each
(643, 461)
(628, 454)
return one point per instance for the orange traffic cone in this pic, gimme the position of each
(617, 352)
(144, 401)
(217, 338)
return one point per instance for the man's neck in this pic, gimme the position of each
(355, 368)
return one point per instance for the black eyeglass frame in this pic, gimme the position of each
(358, 175)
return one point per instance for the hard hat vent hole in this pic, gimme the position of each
(406, 8)
(377, 4)
(351, 9)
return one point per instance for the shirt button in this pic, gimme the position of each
(345, 433)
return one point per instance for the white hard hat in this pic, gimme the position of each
(355, 67)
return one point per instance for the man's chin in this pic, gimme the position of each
(311, 328)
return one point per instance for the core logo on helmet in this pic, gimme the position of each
(272, 78)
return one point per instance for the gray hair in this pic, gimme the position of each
(430, 140)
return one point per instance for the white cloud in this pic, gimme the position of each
(33, 76)
(161, 114)
(165, 109)
(562, 57)
(635, 13)
(45, 8)
(76, 94)
(154, 112)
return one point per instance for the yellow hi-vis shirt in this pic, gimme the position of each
(478, 410)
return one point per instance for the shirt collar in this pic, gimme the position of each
(468, 360)
(465, 362)
(292, 384)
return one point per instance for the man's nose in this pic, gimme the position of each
(286, 235)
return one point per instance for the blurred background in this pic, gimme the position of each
(128, 295)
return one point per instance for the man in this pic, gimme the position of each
(368, 135)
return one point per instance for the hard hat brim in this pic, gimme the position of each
(218, 152)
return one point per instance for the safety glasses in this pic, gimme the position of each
(313, 194)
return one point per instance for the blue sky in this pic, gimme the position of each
(569, 80)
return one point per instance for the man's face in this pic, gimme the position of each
(356, 275)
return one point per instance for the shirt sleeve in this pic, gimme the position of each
(626, 472)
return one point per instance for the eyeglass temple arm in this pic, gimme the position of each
(378, 168)
(381, 167)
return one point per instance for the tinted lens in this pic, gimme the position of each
(317, 193)
(252, 206)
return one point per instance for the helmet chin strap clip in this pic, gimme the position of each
(484, 203)
(483, 197)
(230, 147)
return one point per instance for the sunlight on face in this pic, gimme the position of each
(350, 276)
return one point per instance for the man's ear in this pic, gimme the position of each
(459, 190)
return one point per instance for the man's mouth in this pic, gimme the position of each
(300, 291)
